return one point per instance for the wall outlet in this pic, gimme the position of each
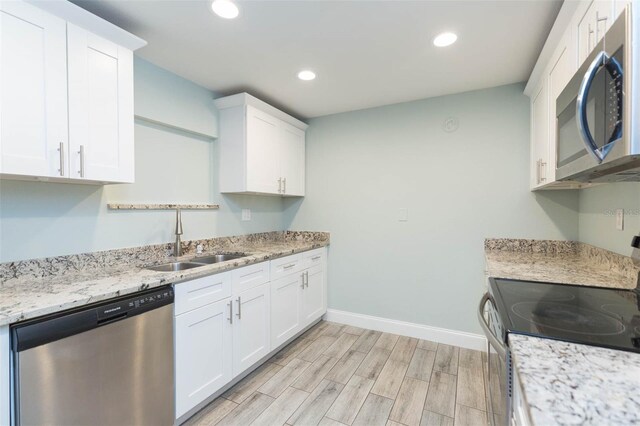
(619, 219)
(199, 249)
(246, 215)
(403, 215)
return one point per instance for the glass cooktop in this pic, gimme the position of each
(590, 315)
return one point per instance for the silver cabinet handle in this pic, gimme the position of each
(289, 266)
(306, 278)
(81, 152)
(543, 166)
(537, 172)
(302, 276)
(239, 308)
(316, 257)
(284, 185)
(230, 312)
(279, 185)
(61, 150)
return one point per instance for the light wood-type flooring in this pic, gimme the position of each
(342, 375)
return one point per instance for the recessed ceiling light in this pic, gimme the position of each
(225, 9)
(445, 39)
(306, 75)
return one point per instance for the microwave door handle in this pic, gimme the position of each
(493, 340)
(581, 106)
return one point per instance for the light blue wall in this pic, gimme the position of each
(597, 220)
(45, 219)
(459, 188)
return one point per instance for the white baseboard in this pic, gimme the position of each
(419, 331)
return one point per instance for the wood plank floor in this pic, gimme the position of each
(343, 375)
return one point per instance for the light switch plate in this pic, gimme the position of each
(246, 215)
(403, 215)
(619, 219)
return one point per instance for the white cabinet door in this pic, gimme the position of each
(100, 108)
(539, 135)
(285, 308)
(292, 152)
(313, 295)
(203, 339)
(560, 72)
(263, 166)
(33, 91)
(251, 331)
(593, 25)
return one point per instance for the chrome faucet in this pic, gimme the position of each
(177, 248)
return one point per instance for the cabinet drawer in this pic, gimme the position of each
(285, 266)
(312, 258)
(249, 277)
(193, 294)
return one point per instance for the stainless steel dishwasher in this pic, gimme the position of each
(105, 364)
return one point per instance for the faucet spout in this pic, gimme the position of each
(177, 247)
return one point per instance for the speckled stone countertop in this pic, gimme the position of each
(569, 384)
(565, 262)
(33, 288)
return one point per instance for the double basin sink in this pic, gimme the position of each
(196, 262)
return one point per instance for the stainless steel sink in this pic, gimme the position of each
(175, 266)
(217, 258)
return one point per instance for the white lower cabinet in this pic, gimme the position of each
(313, 295)
(228, 322)
(285, 308)
(251, 340)
(203, 353)
(299, 298)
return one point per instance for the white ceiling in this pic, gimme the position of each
(365, 53)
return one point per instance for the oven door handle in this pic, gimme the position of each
(614, 68)
(493, 340)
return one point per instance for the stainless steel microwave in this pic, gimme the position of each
(596, 113)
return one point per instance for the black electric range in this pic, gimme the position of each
(590, 315)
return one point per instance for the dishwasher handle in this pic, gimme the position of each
(497, 345)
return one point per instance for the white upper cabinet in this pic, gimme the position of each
(592, 26)
(292, 155)
(100, 108)
(577, 30)
(33, 92)
(539, 136)
(559, 72)
(262, 140)
(262, 149)
(66, 95)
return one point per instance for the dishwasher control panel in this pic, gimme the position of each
(135, 305)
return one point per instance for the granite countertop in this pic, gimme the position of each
(566, 383)
(565, 262)
(29, 289)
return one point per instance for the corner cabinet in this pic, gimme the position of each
(577, 30)
(262, 149)
(66, 95)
